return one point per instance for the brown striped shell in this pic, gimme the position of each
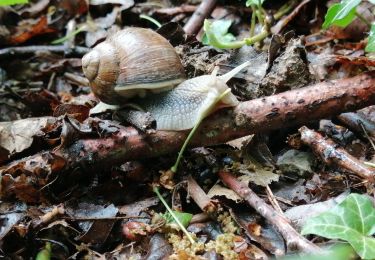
(131, 63)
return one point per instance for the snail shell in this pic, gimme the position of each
(131, 63)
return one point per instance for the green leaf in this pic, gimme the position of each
(216, 35)
(371, 40)
(341, 14)
(220, 29)
(254, 2)
(183, 217)
(353, 220)
(13, 2)
(336, 251)
(45, 253)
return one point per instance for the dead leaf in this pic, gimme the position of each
(29, 31)
(16, 136)
(255, 173)
(78, 112)
(218, 190)
(94, 231)
(25, 180)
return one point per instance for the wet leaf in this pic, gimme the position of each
(353, 220)
(45, 253)
(341, 14)
(218, 28)
(371, 40)
(344, 251)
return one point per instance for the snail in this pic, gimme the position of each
(139, 66)
(131, 63)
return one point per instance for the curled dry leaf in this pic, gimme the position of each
(17, 136)
(78, 112)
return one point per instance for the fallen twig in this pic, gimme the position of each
(294, 107)
(283, 22)
(292, 237)
(177, 10)
(25, 50)
(196, 20)
(333, 155)
(200, 197)
(357, 122)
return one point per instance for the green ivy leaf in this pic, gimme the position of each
(353, 220)
(371, 40)
(219, 28)
(341, 14)
(336, 251)
(254, 2)
(13, 2)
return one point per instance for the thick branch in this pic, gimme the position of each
(289, 108)
(259, 115)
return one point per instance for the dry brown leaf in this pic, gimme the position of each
(16, 136)
(218, 190)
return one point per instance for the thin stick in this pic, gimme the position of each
(291, 236)
(196, 20)
(333, 155)
(273, 200)
(27, 50)
(367, 136)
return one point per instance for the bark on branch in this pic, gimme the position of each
(291, 236)
(285, 109)
(331, 154)
(289, 108)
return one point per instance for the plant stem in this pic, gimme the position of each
(191, 134)
(252, 25)
(363, 19)
(257, 38)
(156, 190)
(181, 152)
(260, 16)
(69, 36)
(285, 9)
(149, 18)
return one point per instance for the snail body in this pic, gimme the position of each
(186, 104)
(152, 76)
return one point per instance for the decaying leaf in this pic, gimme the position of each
(218, 190)
(16, 136)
